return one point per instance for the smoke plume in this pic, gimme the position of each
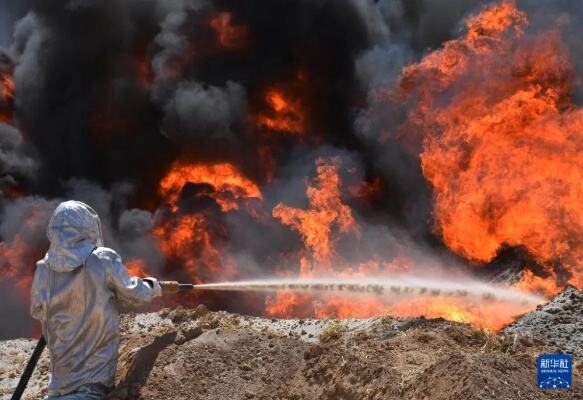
(221, 140)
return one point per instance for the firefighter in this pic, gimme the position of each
(77, 290)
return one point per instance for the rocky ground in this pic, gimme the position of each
(558, 322)
(196, 354)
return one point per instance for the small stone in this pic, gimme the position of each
(178, 314)
(163, 313)
(192, 333)
(200, 310)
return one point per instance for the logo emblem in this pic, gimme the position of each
(555, 371)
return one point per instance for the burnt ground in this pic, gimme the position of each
(196, 354)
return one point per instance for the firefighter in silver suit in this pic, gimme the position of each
(77, 289)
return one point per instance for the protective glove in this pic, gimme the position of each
(155, 285)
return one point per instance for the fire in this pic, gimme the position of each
(5, 117)
(490, 317)
(286, 304)
(186, 240)
(529, 282)
(6, 97)
(194, 241)
(14, 257)
(320, 226)
(137, 267)
(502, 141)
(12, 191)
(501, 144)
(326, 215)
(227, 183)
(229, 36)
(19, 255)
(144, 74)
(285, 113)
(367, 191)
(7, 86)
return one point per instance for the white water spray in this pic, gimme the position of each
(399, 286)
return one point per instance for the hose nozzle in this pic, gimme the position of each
(173, 287)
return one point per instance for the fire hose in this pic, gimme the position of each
(168, 287)
(379, 287)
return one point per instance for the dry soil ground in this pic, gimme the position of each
(196, 354)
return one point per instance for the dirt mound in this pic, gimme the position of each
(196, 354)
(14, 355)
(220, 356)
(558, 322)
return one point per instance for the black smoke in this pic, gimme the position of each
(110, 94)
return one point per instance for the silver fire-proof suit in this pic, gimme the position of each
(77, 289)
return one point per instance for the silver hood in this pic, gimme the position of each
(74, 231)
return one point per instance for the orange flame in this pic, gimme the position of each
(230, 36)
(501, 143)
(327, 212)
(18, 256)
(489, 316)
(485, 316)
(320, 226)
(6, 97)
(5, 116)
(14, 257)
(7, 86)
(228, 184)
(144, 75)
(367, 191)
(529, 282)
(193, 243)
(285, 113)
(137, 267)
(12, 191)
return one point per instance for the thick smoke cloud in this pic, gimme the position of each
(204, 111)
(414, 28)
(10, 12)
(106, 113)
(26, 219)
(109, 95)
(14, 157)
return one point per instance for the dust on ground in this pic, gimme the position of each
(198, 354)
